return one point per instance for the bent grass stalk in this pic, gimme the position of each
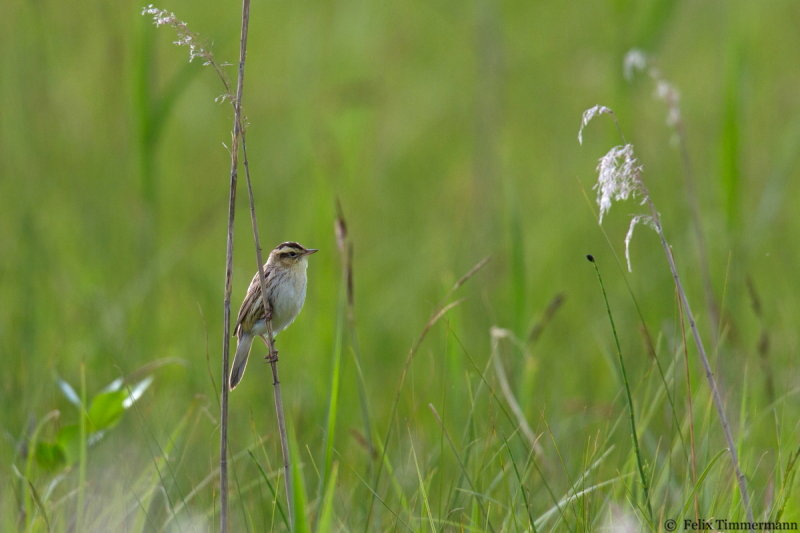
(470, 430)
(620, 177)
(496, 335)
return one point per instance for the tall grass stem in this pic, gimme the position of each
(82, 452)
(345, 246)
(637, 449)
(239, 133)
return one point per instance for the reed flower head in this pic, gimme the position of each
(635, 60)
(667, 93)
(187, 38)
(637, 219)
(588, 115)
(618, 177)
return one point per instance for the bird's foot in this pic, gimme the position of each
(271, 357)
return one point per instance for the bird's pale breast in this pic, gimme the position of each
(287, 300)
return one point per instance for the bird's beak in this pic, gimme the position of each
(310, 251)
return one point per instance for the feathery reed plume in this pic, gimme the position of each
(192, 41)
(588, 116)
(620, 176)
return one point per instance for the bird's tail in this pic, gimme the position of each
(240, 361)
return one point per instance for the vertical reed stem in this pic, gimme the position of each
(237, 134)
(226, 320)
(273, 354)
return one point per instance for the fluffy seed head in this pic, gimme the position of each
(635, 60)
(638, 219)
(618, 177)
(588, 115)
(667, 93)
(162, 17)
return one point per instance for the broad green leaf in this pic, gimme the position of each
(69, 439)
(107, 408)
(50, 455)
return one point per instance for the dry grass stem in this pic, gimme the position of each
(550, 311)
(498, 334)
(239, 132)
(471, 272)
(345, 247)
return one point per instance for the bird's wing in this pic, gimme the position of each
(252, 309)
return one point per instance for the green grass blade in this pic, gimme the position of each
(271, 487)
(730, 149)
(521, 486)
(696, 487)
(426, 504)
(299, 488)
(639, 462)
(325, 524)
(545, 517)
(333, 402)
(82, 453)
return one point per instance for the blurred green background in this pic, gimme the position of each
(447, 130)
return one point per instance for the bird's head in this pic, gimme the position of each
(290, 255)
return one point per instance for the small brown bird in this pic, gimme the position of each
(285, 273)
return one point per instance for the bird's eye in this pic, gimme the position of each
(292, 254)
